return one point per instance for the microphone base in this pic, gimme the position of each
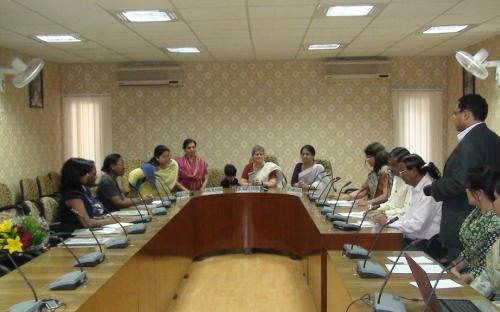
(118, 242)
(388, 303)
(138, 228)
(346, 226)
(335, 217)
(355, 252)
(370, 270)
(326, 210)
(159, 211)
(322, 204)
(69, 281)
(27, 306)
(145, 218)
(89, 260)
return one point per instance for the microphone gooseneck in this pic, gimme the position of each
(22, 273)
(88, 227)
(338, 196)
(352, 205)
(142, 198)
(120, 224)
(377, 237)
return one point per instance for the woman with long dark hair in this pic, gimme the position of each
(157, 175)
(77, 203)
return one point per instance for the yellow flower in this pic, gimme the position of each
(6, 226)
(14, 245)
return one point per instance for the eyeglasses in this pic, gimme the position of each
(401, 172)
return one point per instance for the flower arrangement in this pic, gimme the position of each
(23, 234)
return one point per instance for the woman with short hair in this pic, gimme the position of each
(259, 172)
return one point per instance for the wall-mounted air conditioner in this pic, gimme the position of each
(357, 68)
(149, 74)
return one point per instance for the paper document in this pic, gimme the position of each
(405, 269)
(366, 224)
(419, 260)
(443, 284)
(100, 231)
(127, 213)
(86, 241)
(156, 202)
(116, 225)
(354, 214)
(340, 203)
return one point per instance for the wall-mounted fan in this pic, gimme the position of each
(23, 73)
(477, 65)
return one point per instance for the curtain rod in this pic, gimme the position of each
(84, 94)
(431, 90)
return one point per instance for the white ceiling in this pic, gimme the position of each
(241, 29)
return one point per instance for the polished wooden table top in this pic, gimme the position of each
(193, 227)
(399, 284)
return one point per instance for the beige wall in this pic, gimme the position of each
(230, 106)
(487, 88)
(30, 139)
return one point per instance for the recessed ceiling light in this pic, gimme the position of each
(326, 46)
(444, 29)
(58, 38)
(349, 10)
(146, 16)
(184, 50)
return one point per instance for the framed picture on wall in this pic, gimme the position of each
(36, 92)
(469, 83)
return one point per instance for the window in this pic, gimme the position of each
(419, 123)
(87, 127)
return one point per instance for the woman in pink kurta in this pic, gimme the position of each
(193, 170)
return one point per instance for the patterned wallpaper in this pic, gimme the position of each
(230, 106)
(30, 138)
(487, 88)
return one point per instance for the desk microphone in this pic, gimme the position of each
(30, 305)
(355, 251)
(328, 209)
(371, 269)
(332, 216)
(314, 180)
(120, 241)
(323, 203)
(160, 209)
(388, 302)
(137, 228)
(112, 242)
(165, 187)
(143, 202)
(72, 280)
(313, 197)
(91, 259)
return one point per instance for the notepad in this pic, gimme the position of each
(116, 225)
(405, 269)
(366, 224)
(443, 284)
(419, 260)
(354, 214)
(341, 203)
(129, 213)
(101, 231)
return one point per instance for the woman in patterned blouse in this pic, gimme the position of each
(481, 225)
(488, 282)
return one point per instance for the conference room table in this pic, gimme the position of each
(146, 275)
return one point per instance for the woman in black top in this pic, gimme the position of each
(77, 203)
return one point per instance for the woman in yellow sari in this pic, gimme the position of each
(157, 175)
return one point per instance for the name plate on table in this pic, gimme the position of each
(183, 194)
(297, 191)
(249, 189)
(213, 190)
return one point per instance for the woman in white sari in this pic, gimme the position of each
(261, 173)
(307, 172)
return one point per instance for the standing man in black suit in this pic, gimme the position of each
(477, 146)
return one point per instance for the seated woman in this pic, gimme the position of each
(422, 218)
(306, 172)
(481, 225)
(77, 206)
(259, 172)
(158, 176)
(488, 281)
(378, 183)
(108, 192)
(193, 170)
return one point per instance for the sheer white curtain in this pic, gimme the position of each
(419, 123)
(87, 127)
